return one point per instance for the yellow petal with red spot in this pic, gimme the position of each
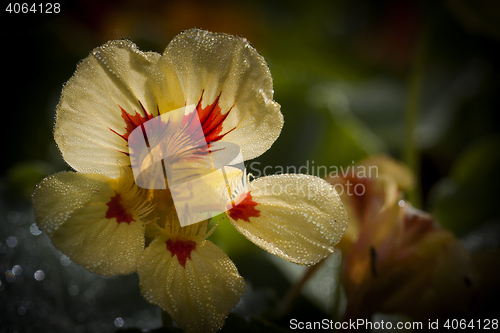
(296, 217)
(230, 83)
(104, 99)
(87, 218)
(193, 281)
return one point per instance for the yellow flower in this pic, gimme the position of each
(104, 221)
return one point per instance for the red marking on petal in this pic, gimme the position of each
(181, 249)
(116, 210)
(245, 209)
(132, 122)
(211, 119)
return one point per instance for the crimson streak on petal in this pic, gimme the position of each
(245, 209)
(181, 248)
(211, 119)
(117, 210)
(132, 122)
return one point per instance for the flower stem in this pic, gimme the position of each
(412, 156)
(294, 292)
(337, 309)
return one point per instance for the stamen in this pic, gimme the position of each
(133, 196)
(211, 231)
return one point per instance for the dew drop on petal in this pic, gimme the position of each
(39, 275)
(119, 322)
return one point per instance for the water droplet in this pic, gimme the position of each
(13, 217)
(65, 260)
(17, 270)
(11, 241)
(39, 275)
(119, 322)
(34, 230)
(21, 310)
(73, 290)
(10, 276)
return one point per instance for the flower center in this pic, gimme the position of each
(185, 149)
(211, 120)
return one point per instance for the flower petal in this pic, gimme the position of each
(386, 165)
(197, 292)
(83, 215)
(230, 83)
(296, 217)
(106, 95)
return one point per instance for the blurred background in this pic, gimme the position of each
(416, 80)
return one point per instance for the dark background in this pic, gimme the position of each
(347, 73)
